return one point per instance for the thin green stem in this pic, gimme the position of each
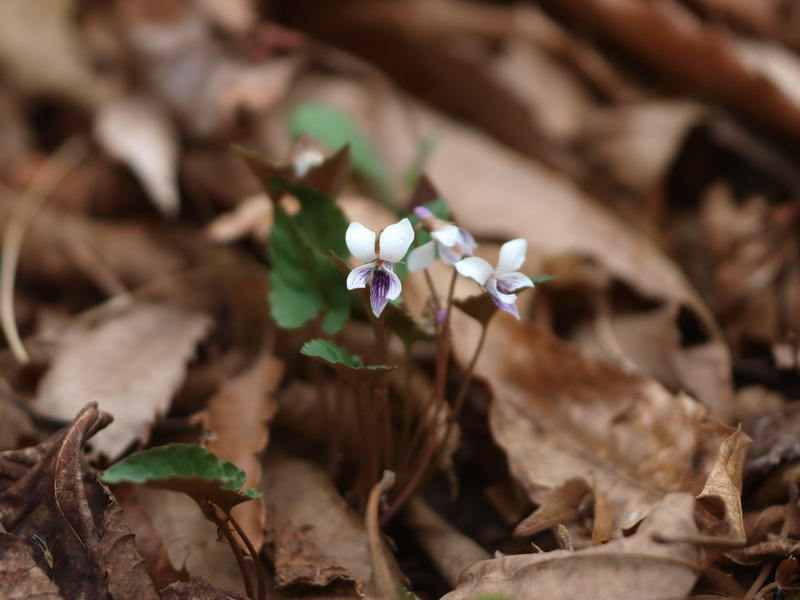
(434, 296)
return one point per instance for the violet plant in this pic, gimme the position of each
(316, 285)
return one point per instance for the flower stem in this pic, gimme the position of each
(381, 406)
(458, 403)
(261, 584)
(233, 543)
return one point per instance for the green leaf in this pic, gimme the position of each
(404, 593)
(542, 278)
(186, 468)
(335, 129)
(304, 280)
(331, 352)
(348, 365)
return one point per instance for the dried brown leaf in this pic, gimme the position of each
(298, 561)
(305, 495)
(20, 577)
(138, 131)
(633, 567)
(131, 365)
(559, 415)
(238, 417)
(120, 559)
(197, 589)
(723, 489)
(43, 500)
(561, 506)
(191, 540)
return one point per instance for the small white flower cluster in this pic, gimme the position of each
(454, 246)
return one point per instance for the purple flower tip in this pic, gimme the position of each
(422, 212)
(440, 316)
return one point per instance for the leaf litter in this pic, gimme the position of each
(645, 151)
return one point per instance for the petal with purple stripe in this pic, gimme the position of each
(511, 282)
(359, 276)
(385, 286)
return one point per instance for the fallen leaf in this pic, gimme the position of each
(633, 567)
(150, 545)
(20, 577)
(140, 133)
(121, 560)
(561, 506)
(196, 589)
(237, 417)
(560, 415)
(304, 494)
(43, 501)
(191, 540)
(298, 562)
(131, 365)
(722, 493)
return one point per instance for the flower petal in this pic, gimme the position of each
(512, 255)
(506, 302)
(421, 257)
(361, 242)
(359, 276)
(449, 256)
(446, 235)
(475, 268)
(395, 241)
(466, 241)
(385, 286)
(422, 212)
(511, 282)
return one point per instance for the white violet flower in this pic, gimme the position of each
(502, 281)
(380, 257)
(452, 242)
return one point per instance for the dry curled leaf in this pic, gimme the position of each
(722, 493)
(46, 500)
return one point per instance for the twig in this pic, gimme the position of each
(50, 175)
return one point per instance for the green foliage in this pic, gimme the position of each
(334, 129)
(304, 280)
(404, 593)
(542, 278)
(348, 365)
(186, 468)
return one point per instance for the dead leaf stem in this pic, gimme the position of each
(68, 156)
(380, 568)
